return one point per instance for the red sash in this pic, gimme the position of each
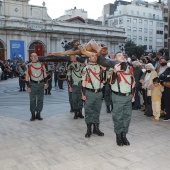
(123, 74)
(36, 68)
(95, 74)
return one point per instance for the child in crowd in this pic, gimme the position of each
(156, 94)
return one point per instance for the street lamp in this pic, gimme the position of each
(66, 45)
(122, 48)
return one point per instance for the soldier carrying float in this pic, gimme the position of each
(122, 86)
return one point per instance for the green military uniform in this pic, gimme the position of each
(36, 73)
(61, 70)
(70, 95)
(70, 84)
(122, 98)
(55, 75)
(93, 95)
(74, 71)
(21, 71)
(108, 94)
(49, 73)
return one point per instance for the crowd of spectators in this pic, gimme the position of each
(9, 68)
(152, 75)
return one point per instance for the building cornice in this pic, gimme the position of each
(60, 27)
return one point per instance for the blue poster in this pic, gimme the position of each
(17, 49)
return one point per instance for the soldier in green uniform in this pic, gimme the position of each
(70, 85)
(74, 72)
(92, 85)
(36, 73)
(55, 74)
(122, 96)
(21, 71)
(49, 70)
(61, 73)
(108, 94)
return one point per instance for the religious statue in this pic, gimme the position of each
(82, 52)
(84, 49)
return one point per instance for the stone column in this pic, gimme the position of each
(0, 7)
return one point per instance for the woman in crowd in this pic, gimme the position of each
(146, 82)
(142, 89)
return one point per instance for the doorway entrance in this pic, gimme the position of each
(36, 47)
(2, 51)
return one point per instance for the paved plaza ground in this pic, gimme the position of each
(58, 142)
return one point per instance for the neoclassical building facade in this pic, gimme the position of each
(26, 28)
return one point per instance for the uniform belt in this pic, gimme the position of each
(37, 82)
(94, 90)
(121, 94)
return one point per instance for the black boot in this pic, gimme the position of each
(108, 109)
(60, 87)
(45, 91)
(71, 109)
(38, 116)
(96, 129)
(80, 115)
(24, 89)
(119, 139)
(125, 141)
(88, 134)
(49, 92)
(33, 116)
(20, 90)
(75, 113)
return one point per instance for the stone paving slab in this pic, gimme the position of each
(58, 142)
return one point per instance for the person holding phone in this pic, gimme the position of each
(123, 94)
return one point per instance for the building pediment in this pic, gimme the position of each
(76, 19)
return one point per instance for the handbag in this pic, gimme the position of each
(148, 100)
(166, 84)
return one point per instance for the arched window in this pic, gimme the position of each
(1, 45)
(36, 47)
